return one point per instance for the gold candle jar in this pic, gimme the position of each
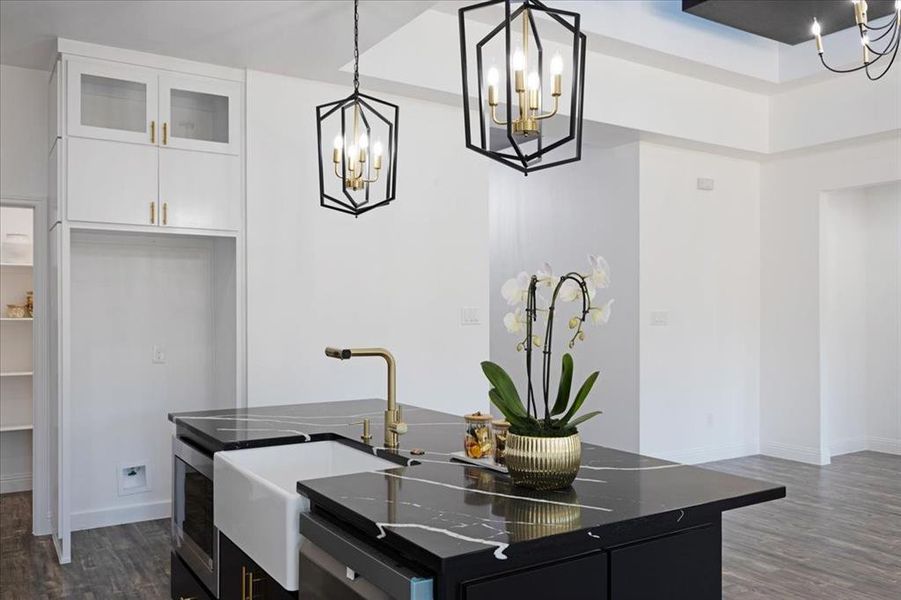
(500, 429)
(477, 440)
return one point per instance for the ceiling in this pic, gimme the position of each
(784, 21)
(311, 39)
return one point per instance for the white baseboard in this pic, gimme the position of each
(802, 454)
(704, 454)
(883, 444)
(119, 515)
(15, 482)
(848, 445)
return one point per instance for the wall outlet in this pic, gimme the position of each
(705, 183)
(133, 478)
(159, 355)
(659, 318)
(469, 315)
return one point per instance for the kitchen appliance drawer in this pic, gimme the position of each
(337, 565)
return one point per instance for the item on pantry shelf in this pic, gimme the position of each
(500, 428)
(16, 248)
(16, 311)
(477, 440)
(29, 303)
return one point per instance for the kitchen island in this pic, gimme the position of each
(630, 526)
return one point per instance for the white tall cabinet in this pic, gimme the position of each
(145, 268)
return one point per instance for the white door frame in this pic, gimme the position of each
(40, 477)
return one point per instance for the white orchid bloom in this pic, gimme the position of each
(515, 321)
(600, 271)
(516, 291)
(570, 291)
(545, 276)
(601, 314)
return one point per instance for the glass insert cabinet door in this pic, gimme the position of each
(113, 102)
(200, 114)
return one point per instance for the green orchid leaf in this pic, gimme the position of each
(503, 405)
(505, 388)
(583, 418)
(580, 398)
(566, 381)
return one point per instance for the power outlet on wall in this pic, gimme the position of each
(659, 318)
(159, 355)
(133, 478)
(469, 315)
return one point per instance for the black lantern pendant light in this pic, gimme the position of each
(527, 119)
(358, 155)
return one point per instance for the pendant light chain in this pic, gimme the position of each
(356, 46)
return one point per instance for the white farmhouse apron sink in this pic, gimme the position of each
(256, 503)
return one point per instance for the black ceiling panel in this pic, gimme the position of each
(786, 21)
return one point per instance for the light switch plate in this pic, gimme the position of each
(659, 318)
(159, 355)
(705, 183)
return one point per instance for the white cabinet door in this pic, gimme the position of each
(112, 182)
(200, 114)
(200, 189)
(112, 102)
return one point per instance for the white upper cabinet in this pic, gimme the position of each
(112, 102)
(199, 113)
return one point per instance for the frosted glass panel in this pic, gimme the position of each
(113, 103)
(199, 116)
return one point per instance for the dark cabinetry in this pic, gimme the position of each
(240, 578)
(578, 579)
(685, 565)
(184, 584)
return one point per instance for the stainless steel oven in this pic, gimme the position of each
(194, 536)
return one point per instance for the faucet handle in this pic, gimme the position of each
(399, 428)
(367, 435)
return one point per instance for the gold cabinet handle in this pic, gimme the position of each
(153, 213)
(247, 581)
(153, 132)
(165, 134)
(165, 213)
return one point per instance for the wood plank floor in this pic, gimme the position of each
(837, 535)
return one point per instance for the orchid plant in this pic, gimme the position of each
(525, 294)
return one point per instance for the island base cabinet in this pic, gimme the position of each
(185, 586)
(681, 566)
(240, 578)
(578, 579)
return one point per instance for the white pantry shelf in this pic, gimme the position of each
(17, 374)
(16, 318)
(12, 265)
(19, 427)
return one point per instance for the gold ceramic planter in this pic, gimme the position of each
(543, 463)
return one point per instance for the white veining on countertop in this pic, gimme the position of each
(632, 468)
(256, 429)
(500, 547)
(262, 419)
(499, 494)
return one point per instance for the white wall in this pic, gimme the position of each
(844, 224)
(561, 216)
(396, 277)
(791, 418)
(699, 265)
(884, 318)
(129, 294)
(23, 121)
(860, 319)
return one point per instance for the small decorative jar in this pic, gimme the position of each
(29, 303)
(477, 440)
(16, 311)
(500, 428)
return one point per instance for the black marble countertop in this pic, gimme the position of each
(446, 513)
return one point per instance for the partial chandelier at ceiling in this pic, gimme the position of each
(528, 82)
(357, 139)
(870, 41)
